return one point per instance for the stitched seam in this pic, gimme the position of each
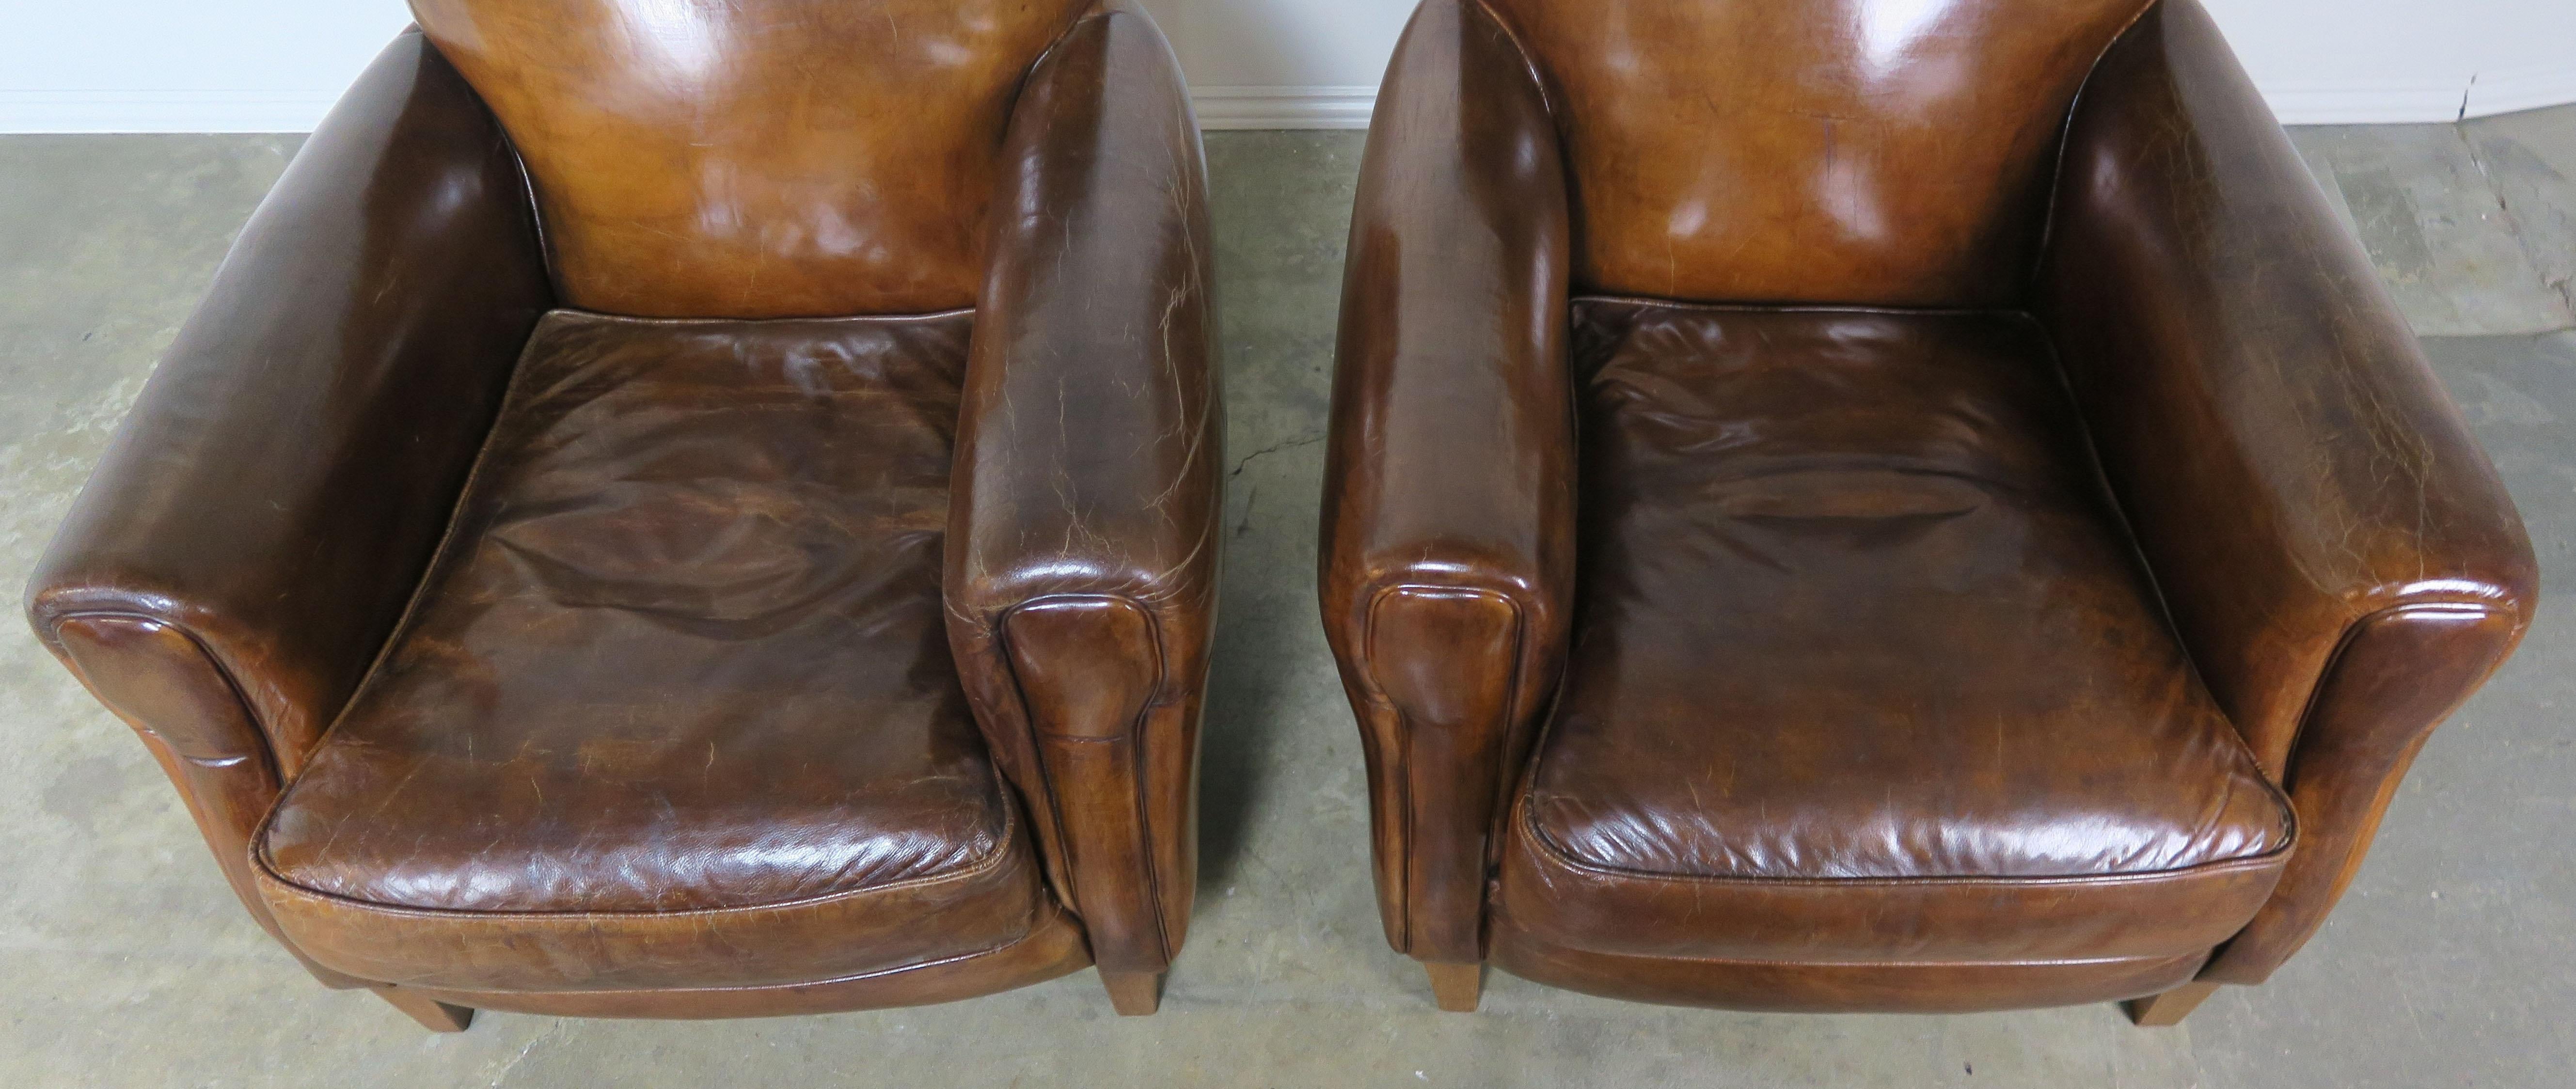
(880, 973)
(973, 868)
(2065, 138)
(2072, 962)
(2127, 527)
(1569, 859)
(429, 572)
(1405, 727)
(2326, 676)
(1529, 65)
(841, 319)
(1136, 733)
(1802, 308)
(267, 742)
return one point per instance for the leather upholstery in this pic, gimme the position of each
(674, 707)
(2056, 636)
(2338, 553)
(762, 158)
(266, 509)
(1809, 538)
(1450, 465)
(655, 711)
(1083, 543)
(1887, 152)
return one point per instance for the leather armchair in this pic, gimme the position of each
(610, 543)
(1865, 506)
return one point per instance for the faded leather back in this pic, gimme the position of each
(1877, 152)
(755, 158)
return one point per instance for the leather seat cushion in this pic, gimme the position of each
(675, 707)
(1866, 669)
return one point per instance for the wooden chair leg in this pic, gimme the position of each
(1133, 994)
(2168, 1009)
(434, 1015)
(1456, 987)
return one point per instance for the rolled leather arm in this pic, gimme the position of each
(2337, 553)
(1081, 565)
(239, 555)
(1448, 521)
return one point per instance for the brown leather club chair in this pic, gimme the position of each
(1855, 505)
(611, 543)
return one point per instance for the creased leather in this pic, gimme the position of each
(1450, 469)
(1793, 987)
(236, 559)
(282, 478)
(1889, 152)
(1809, 539)
(676, 706)
(1088, 468)
(1054, 947)
(757, 158)
(2290, 464)
(1901, 679)
(672, 726)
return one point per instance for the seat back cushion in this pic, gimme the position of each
(755, 158)
(1880, 152)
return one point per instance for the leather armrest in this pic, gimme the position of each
(1081, 566)
(1448, 521)
(236, 560)
(2337, 553)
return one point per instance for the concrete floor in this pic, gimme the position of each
(129, 964)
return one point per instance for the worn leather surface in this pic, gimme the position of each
(268, 505)
(1811, 540)
(1054, 947)
(1903, 680)
(1082, 564)
(1450, 466)
(1893, 152)
(672, 725)
(2304, 490)
(1794, 987)
(675, 707)
(758, 158)
(283, 477)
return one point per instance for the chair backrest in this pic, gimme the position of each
(755, 158)
(1873, 152)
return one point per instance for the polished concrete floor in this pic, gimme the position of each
(2452, 962)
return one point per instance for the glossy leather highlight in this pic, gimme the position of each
(1899, 679)
(675, 706)
(227, 574)
(301, 367)
(672, 724)
(760, 158)
(1087, 479)
(1809, 536)
(2309, 498)
(1885, 152)
(1450, 466)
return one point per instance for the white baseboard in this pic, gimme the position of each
(2363, 104)
(2487, 94)
(2514, 89)
(1329, 107)
(1309, 107)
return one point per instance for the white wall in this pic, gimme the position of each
(2321, 61)
(275, 65)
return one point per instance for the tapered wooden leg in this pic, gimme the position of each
(2169, 1008)
(434, 1015)
(1133, 994)
(1456, 987)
